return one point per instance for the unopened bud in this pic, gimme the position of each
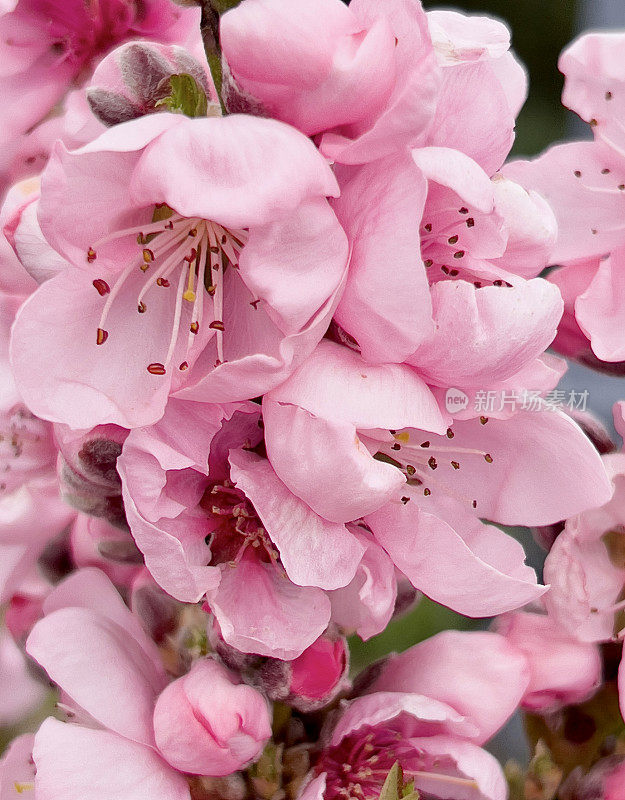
(206, 723)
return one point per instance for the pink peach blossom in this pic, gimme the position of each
(213, 519)
(338, 411)
(209, 179)
(424, 735)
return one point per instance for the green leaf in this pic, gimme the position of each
(393, 785)
(185, 97)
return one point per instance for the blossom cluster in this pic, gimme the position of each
(251, 252)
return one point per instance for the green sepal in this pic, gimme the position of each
(185, 97)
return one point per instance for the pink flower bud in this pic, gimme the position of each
(205, 723)
(319, 674)
(562, 669)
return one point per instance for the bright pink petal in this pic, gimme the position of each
(336, 384)
(314, 552)
(325, 464)
(73, 761)
(260, 611)
(479, 674)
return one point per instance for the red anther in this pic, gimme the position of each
(101, 336)
(101, 286)
(217, 325)
(156, 369)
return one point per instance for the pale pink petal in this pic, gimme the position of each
(314, 552)
(17, 769)
(20, 692)
(260, 611)
(453, 168)
(479, 674)
(531, 227)
(100, 668)
(473, 115)
(594, 79)
(258, 355)
(600, 310)
(91, 589)
(480, 774)
(580, 181)
(208, 724)
(295, 263)
(314, 789)
(466, 37)
(582, 577)
(325, 464)
(367, 604)
(524, 449)
(62, 373)
(413, 713)
(487, 335)
(380, 207)
(76, 762)
(342, 72)
(438, 562)
(335, 383)
(407, 115)
(562, 670)
(239, 171)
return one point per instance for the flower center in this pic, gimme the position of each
(236, 526)
(357, 768)
(446, 247)
(191, 253)
(419, 460)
